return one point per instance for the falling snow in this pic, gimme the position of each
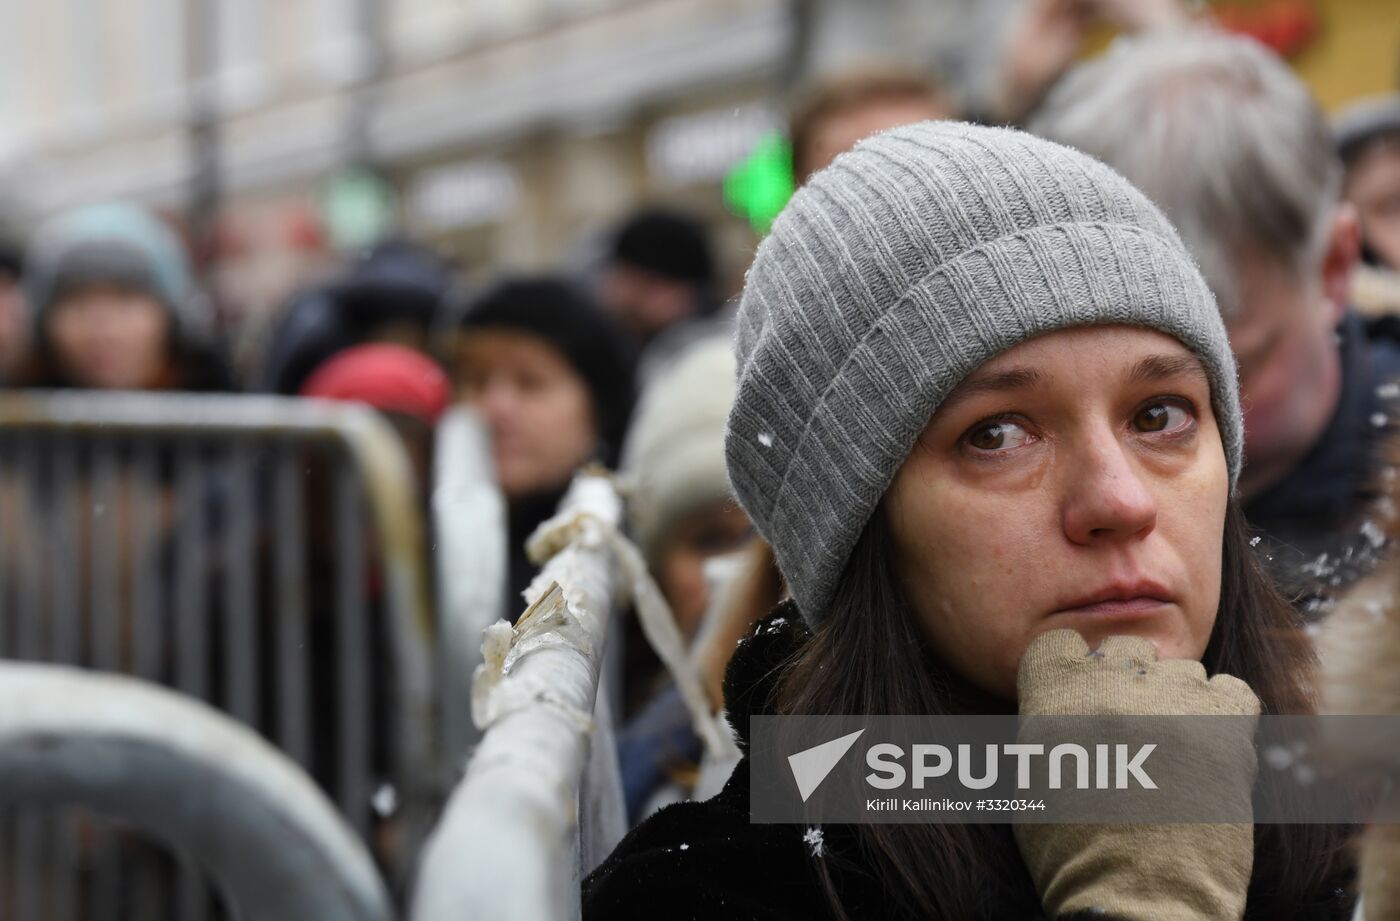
(766, 439)
(1379, 419)
(1254, 541)
(1320, 568)
(815, 842)
(385, 800)
(1388, 391)
(1373, 534)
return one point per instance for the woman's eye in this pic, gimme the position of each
(998, 436)
(1161, 417)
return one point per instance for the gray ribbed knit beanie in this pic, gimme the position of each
(901, 268)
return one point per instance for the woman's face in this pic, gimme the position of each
(1076, 480)
(537, 408)
(715, 529)
(107, 337)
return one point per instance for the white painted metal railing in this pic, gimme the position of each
(203, 784)
(262, 554)
(511, 844)
(469, 527)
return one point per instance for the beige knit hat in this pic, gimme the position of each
(673, 461)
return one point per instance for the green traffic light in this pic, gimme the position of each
(759, 187)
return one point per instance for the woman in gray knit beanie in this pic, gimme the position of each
(987, 418)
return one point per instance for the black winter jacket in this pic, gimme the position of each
(704, 861)
(1322, 527)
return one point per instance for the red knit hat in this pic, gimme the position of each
(388, 377)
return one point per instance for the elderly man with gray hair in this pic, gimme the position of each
(1223, 136)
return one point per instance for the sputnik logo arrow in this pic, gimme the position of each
(810, 766)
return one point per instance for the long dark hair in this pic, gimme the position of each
(868, 657)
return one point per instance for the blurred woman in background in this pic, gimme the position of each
(552, 377)
(681, 513)
(114, 306)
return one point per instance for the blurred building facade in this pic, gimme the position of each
(504, 128)
(507, 131)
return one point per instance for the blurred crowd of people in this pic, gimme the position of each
(1294, 220)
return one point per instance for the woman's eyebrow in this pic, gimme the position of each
(1159, 367)
(993, 382)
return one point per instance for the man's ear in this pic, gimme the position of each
(1340, 257)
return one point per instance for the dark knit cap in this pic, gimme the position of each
(397, 280)
(564, 316)
(1366, 121)
(668, 243)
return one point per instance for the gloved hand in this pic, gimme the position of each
(1137, 872)
(1380, 887)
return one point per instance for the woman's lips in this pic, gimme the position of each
(1116, 609)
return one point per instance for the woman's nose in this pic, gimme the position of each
(497, 402)
(1106, 496)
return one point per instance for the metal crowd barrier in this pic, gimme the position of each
(203, 785)
(541, 802)
(261, 554)
(510, 843)
(469, 527)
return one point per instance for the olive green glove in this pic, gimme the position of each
(1137, 872)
